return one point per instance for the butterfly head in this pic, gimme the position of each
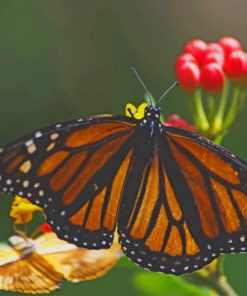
(151, 119)
(152, 113)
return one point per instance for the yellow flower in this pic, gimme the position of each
(22, 210)
(132, 111)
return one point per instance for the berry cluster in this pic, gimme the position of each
(209, 65)
(214, 77)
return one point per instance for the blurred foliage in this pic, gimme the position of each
(154, 284)
(66, 59)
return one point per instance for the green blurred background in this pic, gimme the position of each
(61, 60)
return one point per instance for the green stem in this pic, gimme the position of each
(219, 284)
(218, 139)
(200, 116)
(219, 271)
(215, 280)
(211, 108)
(217, 124)
(233, 108)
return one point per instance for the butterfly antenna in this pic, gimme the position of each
(167, 91)
(142, 83)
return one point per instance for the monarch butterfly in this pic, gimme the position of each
(39, 265)
(178, 200)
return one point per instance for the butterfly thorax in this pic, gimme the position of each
(21, 245)
(151, 119)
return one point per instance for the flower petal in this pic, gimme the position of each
(22, 210)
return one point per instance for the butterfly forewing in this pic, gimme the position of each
(74, 172)
(218, 182)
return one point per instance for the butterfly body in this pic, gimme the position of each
(178, 200)
(21, 245)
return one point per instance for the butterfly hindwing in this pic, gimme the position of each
(31, 274)
(156, 235)
(40, 265)
(72, 171)
(191, 208)
(76, 264)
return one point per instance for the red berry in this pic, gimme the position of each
(212, 77)
(214, 47)
(184, 57)
(196, 47)
(236, 64)
(213, 57)
(245, 70)
(229, 44)
(188, 76)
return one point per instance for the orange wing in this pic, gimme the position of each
(74, 171)
(39, 266)
(77, 264)
(190, 205)
(217, 180)
(32, 275)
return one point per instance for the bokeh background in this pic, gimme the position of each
(61, 60)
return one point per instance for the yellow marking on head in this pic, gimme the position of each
(25, 167)
(137, 112)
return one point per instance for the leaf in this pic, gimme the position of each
(167, 285)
